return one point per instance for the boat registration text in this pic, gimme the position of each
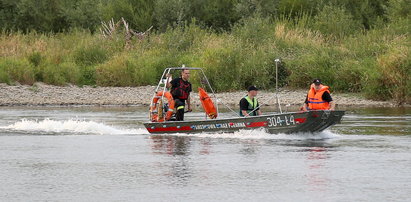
(280, 121)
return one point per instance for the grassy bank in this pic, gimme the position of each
(376, 62)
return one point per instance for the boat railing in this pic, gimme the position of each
(165, 79)
(162, 83)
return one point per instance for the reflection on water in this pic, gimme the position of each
(178, 148)
(172, 145)
(181, 151)
(316, 158)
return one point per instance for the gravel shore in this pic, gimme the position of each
(41, 94)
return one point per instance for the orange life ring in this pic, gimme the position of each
(158, 116)
(207, 103)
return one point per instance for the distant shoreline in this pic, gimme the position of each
(47, 95)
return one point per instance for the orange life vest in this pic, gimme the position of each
(315, 100)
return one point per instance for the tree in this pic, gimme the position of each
(139, 13)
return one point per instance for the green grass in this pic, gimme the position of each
(375, 62)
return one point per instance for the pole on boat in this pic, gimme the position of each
(276, 84)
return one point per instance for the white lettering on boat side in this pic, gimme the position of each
(218, 125)
(275, 121)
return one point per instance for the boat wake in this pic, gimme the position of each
(76, 126)
(262, 134)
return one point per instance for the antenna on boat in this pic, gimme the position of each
(276, 84)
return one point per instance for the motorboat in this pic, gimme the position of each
(161, 114)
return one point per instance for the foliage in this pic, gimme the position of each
(353, 46)
(335, 22)
(221, 15)
(16, 70)
(139, 13)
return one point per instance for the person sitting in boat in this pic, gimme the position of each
(318, 97)
(249, 105)
(180, 90)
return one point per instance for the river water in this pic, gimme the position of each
(104, 154)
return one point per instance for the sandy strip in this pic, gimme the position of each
(41, 94)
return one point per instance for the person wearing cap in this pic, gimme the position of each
(318, 97)
(249, 105)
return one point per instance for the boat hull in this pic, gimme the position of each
(295, 122)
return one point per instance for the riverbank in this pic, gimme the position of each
(41, 94)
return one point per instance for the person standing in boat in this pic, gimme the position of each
(180, 90)
(318, 97)
(249, 105)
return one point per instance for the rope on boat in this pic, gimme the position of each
(236, 113)
(205, 81)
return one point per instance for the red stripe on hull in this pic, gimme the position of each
(300, 120)
(257, 124)
(174, 129)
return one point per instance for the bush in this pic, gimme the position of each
(260, 8)
(399, 9)
(16, 70)
(335, 22)
(35, 58)
(139, 68)
(116, 72)
(254, 30)
(321, 63)
(139, 13)
(349, 77)
(182, 38)
(295, 8)
(90, 55)
(170, 13)
(60, 74)
(87, 75)
(395, 73)
(4, 75)
(222, 61)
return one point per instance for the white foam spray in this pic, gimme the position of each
(262, 134)
(69, 126)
